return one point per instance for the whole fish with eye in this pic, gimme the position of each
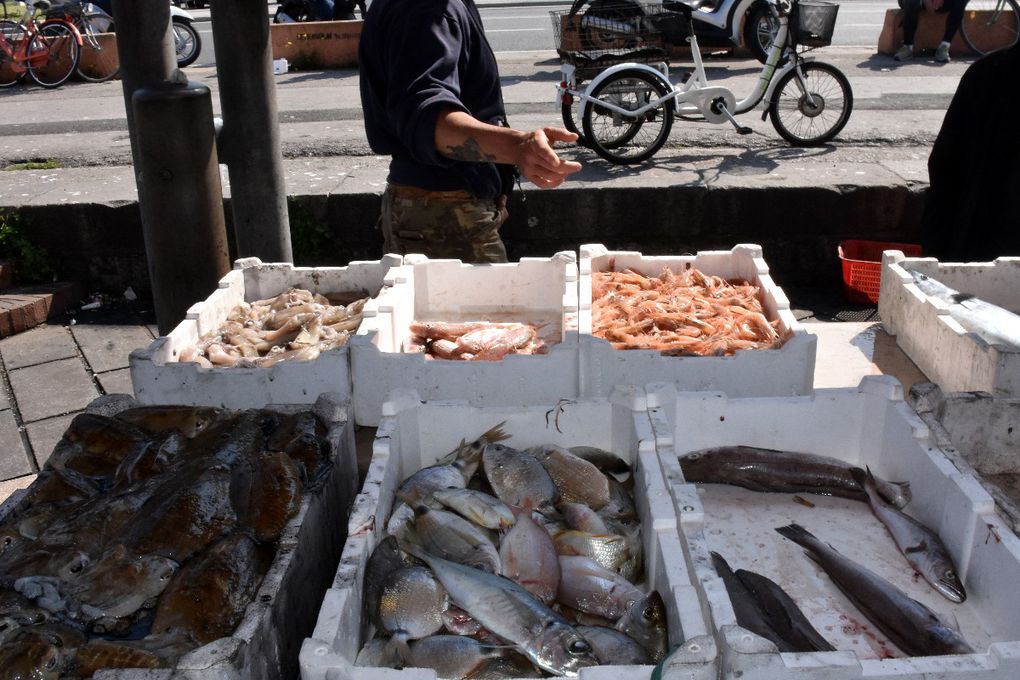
(912, 626)
(614, 648)
(386, 559)
(997, 326)
(187, 420)
(576, 479)
(448, 474)
(529, 557)
(783, 614)
(921, 546)
(645, 622)
(452, 537)
(513, 614)
(759, 469)
(610, 551)
(411, 606)
(517, 477)
(592, 589)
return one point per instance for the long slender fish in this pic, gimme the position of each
(913, 627)
(512, 613)
(745, 606)
(996, 325)
(761, 469)
(921, 546)
(783, 614)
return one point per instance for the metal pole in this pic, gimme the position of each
(176, 168)
(250, 139)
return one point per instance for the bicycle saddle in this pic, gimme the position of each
(41, 5)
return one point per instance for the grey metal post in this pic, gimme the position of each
(174, 154)
(250, 139)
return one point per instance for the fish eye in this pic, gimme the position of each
(949, 574)
(51, 662)
(649, 613)
(693, 456)
(578, 647)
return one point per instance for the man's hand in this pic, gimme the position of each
(538, 162)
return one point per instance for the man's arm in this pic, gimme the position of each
(462, 137)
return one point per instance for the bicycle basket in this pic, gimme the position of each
(813, 23)
(70, 11)
(605, 29)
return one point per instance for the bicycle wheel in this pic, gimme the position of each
(186, 42)
(96, 64)
(621, 138)
(990, 25)
(53, 54)
(572, 114)
(13, 33)
(811, 116)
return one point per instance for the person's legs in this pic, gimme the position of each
(911, 13)
(954, 17)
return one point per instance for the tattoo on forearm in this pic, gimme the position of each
(470, 150)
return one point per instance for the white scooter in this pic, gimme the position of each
(717, 23)
(187, 41)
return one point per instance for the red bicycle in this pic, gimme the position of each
(48, 51)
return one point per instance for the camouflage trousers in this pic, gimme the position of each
(441, 224)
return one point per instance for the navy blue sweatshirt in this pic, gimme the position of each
(417, 57)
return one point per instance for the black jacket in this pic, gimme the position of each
(417, 57)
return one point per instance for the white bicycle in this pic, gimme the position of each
(628, 109)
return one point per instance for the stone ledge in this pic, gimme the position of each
(24, 308)
(317, 44)
(930, 27)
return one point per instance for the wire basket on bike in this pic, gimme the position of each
(612, 31)
(813, 22)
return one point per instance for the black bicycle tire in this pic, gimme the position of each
(190, 59)
(75, 49)
(607, 151)
(81, 73)
(567, 112)
(969, 17)
(775, 109)
(16, 77)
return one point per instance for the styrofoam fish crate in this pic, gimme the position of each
(414, 434)
(786, 371)
(534, 290)
(870, 425)
(157, 377)
(950, 356)
(981, 435)
(266, 643)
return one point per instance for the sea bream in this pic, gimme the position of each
(997, 326)
(760, 469)
(921, 546)
(912, 626)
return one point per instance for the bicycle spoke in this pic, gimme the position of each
(801, 116)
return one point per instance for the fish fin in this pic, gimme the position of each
(860, 476)
(495, 434)
(397, 647)
(798, 535)
(720, 563)
(920, 547)
(959, 298)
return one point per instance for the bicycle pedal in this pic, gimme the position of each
(744, 130)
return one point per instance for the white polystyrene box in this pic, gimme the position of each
(786, 371)
(265, 643)
(956, 360)
(870, 425)
(157, 377)
(536, 290)
(416, 433)
(981, 435)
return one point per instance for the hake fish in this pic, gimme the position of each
(513, 614)
(745, 607)
(759, 469)
(997, 326)
(783, 614)
(913, 627)
(921, 546)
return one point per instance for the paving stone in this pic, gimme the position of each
(116, 382)
(45, 434)
(14, 461)
(52, 389)
(37, 346)
(106, 348)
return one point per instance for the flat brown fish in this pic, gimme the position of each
(187, 420)
(98, 654)
(266, 492)
(119, 583)
(94, 445)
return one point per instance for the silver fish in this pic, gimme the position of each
(401, 520)
(452, 537)
(582, 518)
(921, 546)
(517, 476)
(645, 622)
(450, 656)
(452, 472)
(385, 560)
(592, 589)
(481, 508)
(412, 603)
(621, 505)
(459, 622)
(578, 480)
(997, 326)
(513, 665)
(513, 614)
(529, 557)
(913, 627)
(759, 469)
(614, 648)
(607, 550)
(379, 653)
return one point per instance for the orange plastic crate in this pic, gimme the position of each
(862, 267)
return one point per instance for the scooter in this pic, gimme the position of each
(717, 23)
(187, 41)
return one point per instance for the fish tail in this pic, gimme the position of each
(397, 647)
(720, 563)
(495, 434)
(798, 535)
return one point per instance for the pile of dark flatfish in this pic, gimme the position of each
(761, 605)
(147, 534)
(507, 563)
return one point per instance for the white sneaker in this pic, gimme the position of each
(905, 53)
(942, 53)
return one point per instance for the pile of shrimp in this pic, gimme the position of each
(473, 340)
(680, 313)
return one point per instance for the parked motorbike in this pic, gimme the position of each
(187, 41)
(717, 23)
(290, 11)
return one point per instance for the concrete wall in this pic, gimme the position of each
(102, 246)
